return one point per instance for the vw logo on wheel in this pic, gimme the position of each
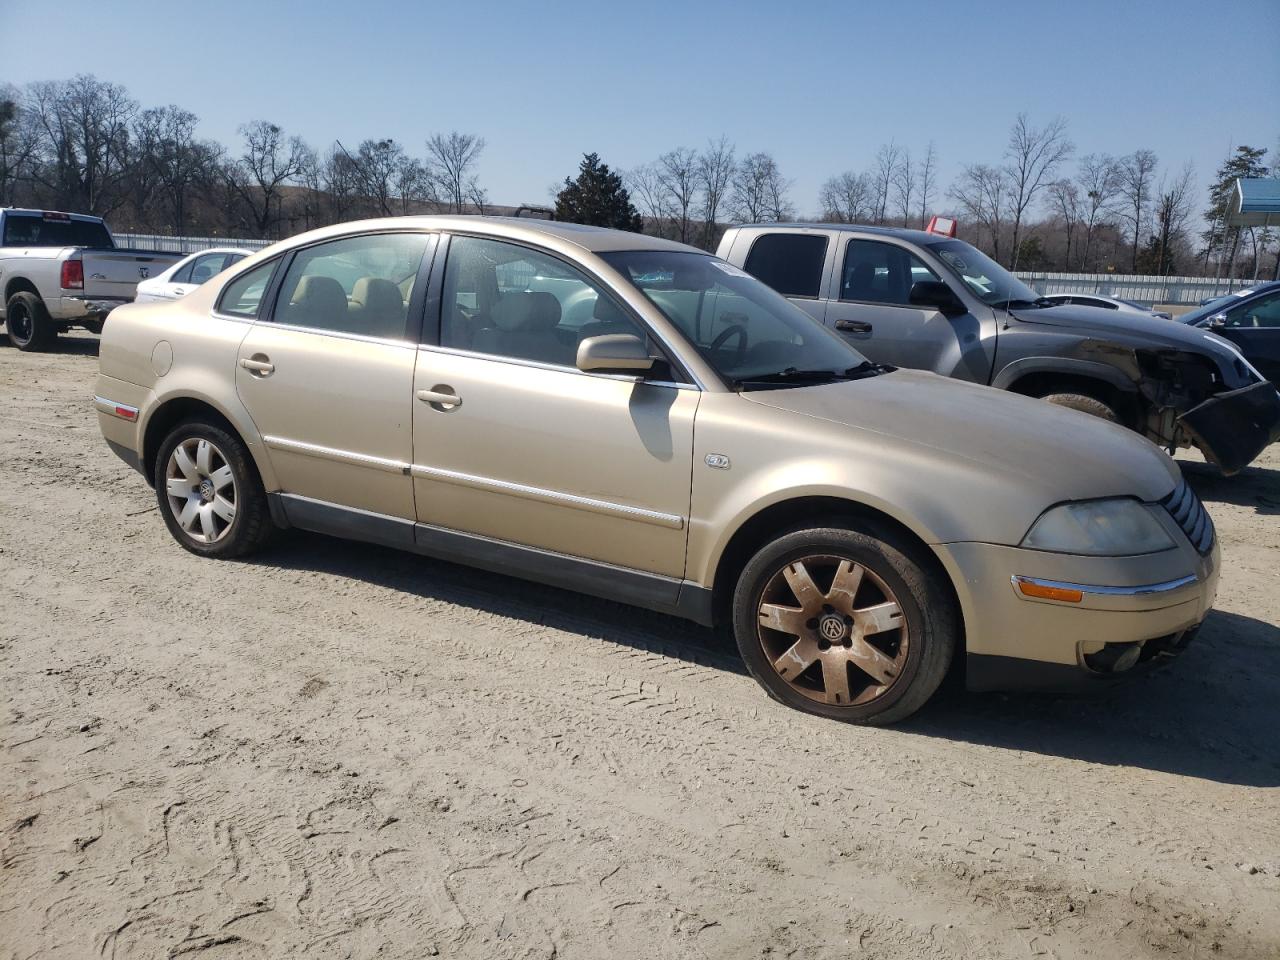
(832, 628)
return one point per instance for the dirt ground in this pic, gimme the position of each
(338, 750)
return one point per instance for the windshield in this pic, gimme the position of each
(986, 279)
(1207, 310)
(741, 327)
(22, 230)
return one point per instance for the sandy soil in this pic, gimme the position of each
(341, 751)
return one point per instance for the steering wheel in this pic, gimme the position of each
(728, 332)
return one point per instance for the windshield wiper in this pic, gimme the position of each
(864, 369)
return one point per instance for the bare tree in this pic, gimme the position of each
(982, 192)
(751, 190)
(1098, 180)
(646, 187)
(415, 185)
(678, 170)
(83, 125)
(18, 144)
(1065, 198)
(166, 147)
(846, 198)
(904, 185)
(454, 157)
(269, 162)
(888, 158)
(1033, 157)
(715, 170)
(927, 172)
(1172, 214)
(377, 165)
(1134, 175)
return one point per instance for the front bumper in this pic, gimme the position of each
(1232, 428)
(1142, 609)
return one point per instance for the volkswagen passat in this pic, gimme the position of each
(636, 419)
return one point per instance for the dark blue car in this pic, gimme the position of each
(1251, 322)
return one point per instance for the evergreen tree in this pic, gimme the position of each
(597, 197)
(1247, 162)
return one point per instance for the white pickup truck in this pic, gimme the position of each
(59, 270)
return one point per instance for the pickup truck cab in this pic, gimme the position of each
(908, 298)
(59, 270)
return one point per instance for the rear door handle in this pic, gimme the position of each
(853, 326)
(263, 368)
(440, 397)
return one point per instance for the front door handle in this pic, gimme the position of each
(441, 397)
(258, 365)
(853, 326)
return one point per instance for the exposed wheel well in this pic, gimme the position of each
(17, 285)
(1126, 404)
(811, 511)
(164, 420)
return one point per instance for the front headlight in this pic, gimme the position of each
(1098, 528)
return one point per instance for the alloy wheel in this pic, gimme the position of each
(19, 323)
(833, 630)
(201, 489)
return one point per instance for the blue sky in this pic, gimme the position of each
(820, 85)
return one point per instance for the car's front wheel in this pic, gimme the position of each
(856, 625)
(210, 495)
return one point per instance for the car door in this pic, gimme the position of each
(1254, 327)
(327, 372)
(794, 264)
(512, 442)
(870, 308)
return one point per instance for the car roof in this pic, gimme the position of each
(593, 239)
(905, 233)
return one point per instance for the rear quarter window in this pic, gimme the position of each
(791, 263)
(242, 297)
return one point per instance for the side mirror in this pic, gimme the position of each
(936, 294)
(614, 353)
(1217, 321)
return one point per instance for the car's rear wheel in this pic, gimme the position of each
(28, 322)
(849, 624)
(1085, 404)
(210, 494)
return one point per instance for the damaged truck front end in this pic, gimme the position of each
(1220, 405)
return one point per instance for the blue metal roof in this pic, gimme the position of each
(1255, 203)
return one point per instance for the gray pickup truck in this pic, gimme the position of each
(907, 298)
(59, 270)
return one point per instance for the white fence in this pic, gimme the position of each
(1146, 290)
(163, 244)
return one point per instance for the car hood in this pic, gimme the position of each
(1169, 332)
(1064, 454)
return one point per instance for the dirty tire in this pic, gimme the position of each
(1085, 404)
(887, 571)
(250, 526)
(28, 322)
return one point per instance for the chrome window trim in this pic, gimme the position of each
(1144, 590)
(542, 495)
(340, 456)
(336, 334)
(553, 367)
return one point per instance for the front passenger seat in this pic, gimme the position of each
(524, 326)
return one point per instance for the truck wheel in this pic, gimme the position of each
(210, 494)
(28, 321)
(848, 624)
(1085, 404)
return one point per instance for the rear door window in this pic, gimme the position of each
(791, 263)
(876, 272)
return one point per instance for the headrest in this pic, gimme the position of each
(378, 295)
(318, 290)
(526, 312)
(605, 309)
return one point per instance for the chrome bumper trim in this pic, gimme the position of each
(1145, 590)
(124, 411)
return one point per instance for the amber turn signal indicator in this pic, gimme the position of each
(1044, 591)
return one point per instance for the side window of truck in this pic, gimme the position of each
(875, 272)
(791, 263)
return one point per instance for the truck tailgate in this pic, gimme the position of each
(115, 274)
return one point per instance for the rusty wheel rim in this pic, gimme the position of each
(833, 630)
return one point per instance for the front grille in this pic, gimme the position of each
(1189, 513)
